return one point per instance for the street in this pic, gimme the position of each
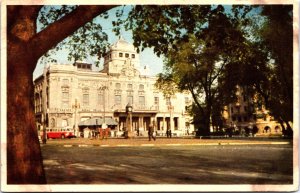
(186, 164)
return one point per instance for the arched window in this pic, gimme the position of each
(277, 129)
(267, 129)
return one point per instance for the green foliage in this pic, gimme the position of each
(167, 84)
(202, 46)
(277, 36)
(161, 27)
(87, 41)
(210, 50)
(269, 64)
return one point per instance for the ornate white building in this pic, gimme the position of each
(72, 95)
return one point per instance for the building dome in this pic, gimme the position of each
(122, 44)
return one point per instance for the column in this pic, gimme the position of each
(171, 119)
(140, 123)
(118, 121)
(178, 124)
(164, 123)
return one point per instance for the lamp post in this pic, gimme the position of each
(129, 109)
(103, 88)
(76, 106)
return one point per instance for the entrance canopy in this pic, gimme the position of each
(97, 122)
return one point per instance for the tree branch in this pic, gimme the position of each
(53, 34)
(219, 71)
(20, 17)
(190, 87)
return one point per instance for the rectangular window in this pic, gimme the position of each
(85, 100)
(141, 101)
(130, 99)
(168, 101)
(132, 56)
(64, 123)
(65, 81)
(156, 101)
(65, 95)
(117, 99)
(126, 55)
(120, 54)
(129, 86)
(100, 99)
(65, 99)
(118, 85)
(141, 87)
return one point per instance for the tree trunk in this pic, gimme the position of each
(24, 161)
(24, 47)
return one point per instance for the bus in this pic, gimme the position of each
(61, 133)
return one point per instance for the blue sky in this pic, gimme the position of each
(147, 57)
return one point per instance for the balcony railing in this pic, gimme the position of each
(137, 108)
(61, 110)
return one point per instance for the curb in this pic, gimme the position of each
(176, 144)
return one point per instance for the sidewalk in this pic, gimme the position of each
(121, 142)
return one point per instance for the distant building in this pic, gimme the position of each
(74, 95)
(246, 113)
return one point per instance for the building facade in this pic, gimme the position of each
(68, 95)
(247, 113)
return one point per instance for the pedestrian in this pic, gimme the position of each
(154, 135)
(169, 133)
(100, 133)
(150, 133)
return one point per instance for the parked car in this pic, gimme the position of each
(60, 133)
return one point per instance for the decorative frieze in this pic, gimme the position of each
(90, 84)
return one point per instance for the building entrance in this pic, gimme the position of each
(139, 123)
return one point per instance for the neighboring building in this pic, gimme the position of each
(246, 113)
(69, 95)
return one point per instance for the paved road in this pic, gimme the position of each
(164, 141)
(241, 164)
